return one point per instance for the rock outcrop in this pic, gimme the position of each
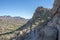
(40, 18)
(51, 29)
(56, 7)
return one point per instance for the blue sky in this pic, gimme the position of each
(22, 8)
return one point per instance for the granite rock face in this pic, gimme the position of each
(50, 30)
(56, 6)
(40, 12)
(40, 18)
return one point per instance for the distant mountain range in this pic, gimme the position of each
(8, 23)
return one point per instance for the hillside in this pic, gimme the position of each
(8, 23)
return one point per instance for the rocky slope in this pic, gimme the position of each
(8, 23)
(44, 25)
(48, 30)
(39, 20)
(51, 30)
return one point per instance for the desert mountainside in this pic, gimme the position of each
(44, 25)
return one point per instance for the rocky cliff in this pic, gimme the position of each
(49, 29)
(56, 7)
